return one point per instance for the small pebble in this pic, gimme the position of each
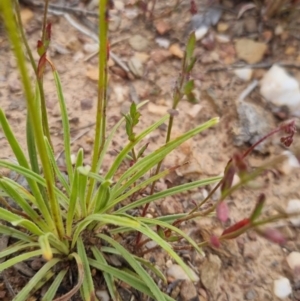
(244, 74)
(293, 207)
(282, 288)
(188, 291)
(293, 260)
(162, 42)
(250, 295)
(176, 272)
(102, 295)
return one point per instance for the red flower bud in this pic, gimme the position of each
(222, 212)
(239, 225)
(273, 235)
(214, 241)
(193, 7)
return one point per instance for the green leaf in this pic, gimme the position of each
(65, 123)
(168, 192)
(111, 136)
(45, 246)
(74, 196)
(87, 288)
(191, 98)
(12, 232)
(24, 293)
(27, 173)
(24, 256)
(17, 247)
(258, 208)
(146, 163)
(136, 266)
(190, 47)
(50, 294)
(131, 144)
(108, 219)
(130, 279)
(109, 279)
(136, 188)
(57, 172)
(18, 152)
(6, 185)
(133, 110)
(143, 261)
(188, 87)
(103, 195)
(16, 220)
(174, 229)
(133, 281)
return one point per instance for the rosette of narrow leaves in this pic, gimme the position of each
(75, 218)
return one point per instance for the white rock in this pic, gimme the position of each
(169, 263)
(293, 260)
(176, 272)
(201, 32)
(195, 110)
(290, 163)
(294, 207)
(157, 109)
(102, 295)
(90, 48)
(244, 74)
(222, 38)
(121, 93)
(282, 288)
(163, 43)
(280, 89)
(278, 30)
(119, 5)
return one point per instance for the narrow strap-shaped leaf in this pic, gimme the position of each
(152, 159)
(74, 196)
(14, 194)
(165, 193)
(16, 220)
(87, 289)
(173, 228)
(17, 248)
(75, 289)
(105, 219)
(18, 152)
(109, 279)
(50, 294)
(136, 187)
(30, 174)
(65, 123)
(133, 281)
(24, 256)
(24, 293)
(12, 232)
(136, 266)
(130, 145)
(143, 261)
(62, 179)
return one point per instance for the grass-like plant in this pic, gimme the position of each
(73, 220)
(79, 218)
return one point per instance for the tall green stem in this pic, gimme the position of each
(33, 108)
(102, 86)
(34, 66)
